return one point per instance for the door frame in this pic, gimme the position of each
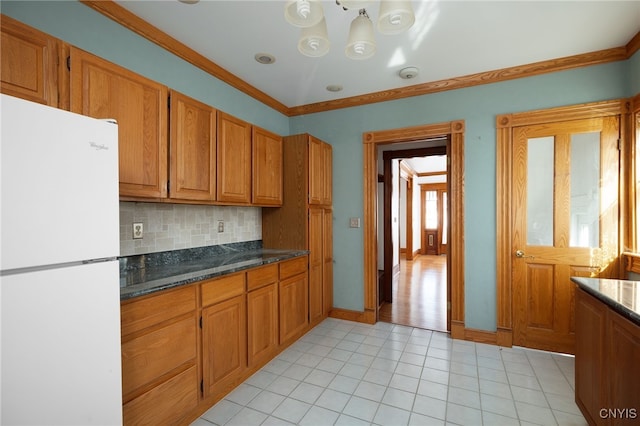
(454, 130)
(504, 174)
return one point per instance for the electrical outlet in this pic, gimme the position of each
(220, 226)
(138, 229)
(354, 222)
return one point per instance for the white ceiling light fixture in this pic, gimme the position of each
(314, 41)
(303, 13)
(395, 16)
(361, 43)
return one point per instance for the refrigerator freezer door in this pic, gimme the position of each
(61, 346)
(59, 186)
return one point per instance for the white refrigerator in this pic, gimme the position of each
(59, 276)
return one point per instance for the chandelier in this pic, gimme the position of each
(395, 16)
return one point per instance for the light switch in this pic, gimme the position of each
(354, 222)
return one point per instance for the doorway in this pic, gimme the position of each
(454, 132)
(413, 270)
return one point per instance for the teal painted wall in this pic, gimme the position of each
(478, 106)
(634, 74)
(89, 30)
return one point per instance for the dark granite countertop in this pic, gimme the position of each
(623, 296)
(149, 273)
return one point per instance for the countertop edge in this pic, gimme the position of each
(144, 289)
(613, 304)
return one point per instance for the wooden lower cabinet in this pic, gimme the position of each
(165, 404)
(185, 349)
(607, 371)
(159, 357)
(294, 297)
(591, 321)
(262, 314)
(224, 344)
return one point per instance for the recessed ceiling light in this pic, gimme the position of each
(265, 58)
(334, 88)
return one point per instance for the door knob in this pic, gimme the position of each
(520, 254)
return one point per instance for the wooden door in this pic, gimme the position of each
(192, 149)
(316, 264)
(267, 168)
(29, 60)
(224, 343)
(101, 89)
(565, 223)
(234, 160)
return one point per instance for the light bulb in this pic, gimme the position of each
(303, 8)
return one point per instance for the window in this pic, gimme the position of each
(431, 210)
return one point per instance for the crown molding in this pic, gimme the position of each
(127, 19)
(141, 27)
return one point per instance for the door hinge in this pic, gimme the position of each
(168, 187)
(619, 144)
(200, 322)
(69, 63)
(169, 101)
(202, 386)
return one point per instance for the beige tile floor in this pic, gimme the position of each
(347, 373)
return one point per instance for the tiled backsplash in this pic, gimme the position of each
(180, 226)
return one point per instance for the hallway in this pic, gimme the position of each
(419, 294)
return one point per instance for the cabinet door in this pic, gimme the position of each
(294, 307)
(192, 149)
(624, 372)
(29, 61)
(234, 160)
(101, 89)
(224, 343)
(267, 168)
(591, 320)
(316, 264)
(316, 171)
(327, 184)
(262, 324)
(327, 271)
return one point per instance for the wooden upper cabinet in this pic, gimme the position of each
(320, 171)
(102, 89)
(316, 171)
(327, 168)
(29, 60)
(267, 168)
(192, 149)
(234, 160)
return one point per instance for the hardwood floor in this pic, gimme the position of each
(419, 294)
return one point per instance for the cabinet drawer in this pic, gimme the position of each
(147, 357)
(262, 276)
(219, 289)
(293, 267)
(166, 403)
(136, 315)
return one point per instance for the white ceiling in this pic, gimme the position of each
(449, 39)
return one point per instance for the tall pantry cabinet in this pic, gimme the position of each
(305, 220)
